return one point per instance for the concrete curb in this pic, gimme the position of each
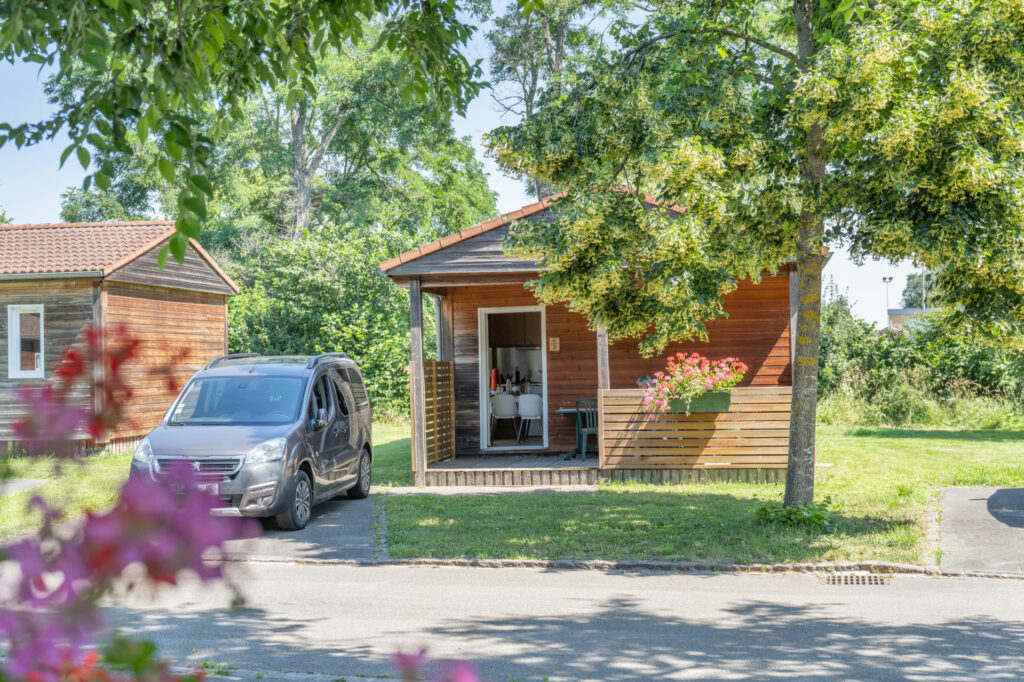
(881, 567)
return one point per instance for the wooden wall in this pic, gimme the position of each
(757, 332)
(194, 274)
(168, 322)
(67, 308)
(753, 434)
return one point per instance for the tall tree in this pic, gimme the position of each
(163, 61)
(530, 51)
(4, 218)
(896, 127)
(921, 292)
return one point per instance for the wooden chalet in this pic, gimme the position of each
(56, 279)
(489, 324)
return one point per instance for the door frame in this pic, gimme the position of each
(485, 381)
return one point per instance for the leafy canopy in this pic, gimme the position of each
(161, 63)
(713, 106)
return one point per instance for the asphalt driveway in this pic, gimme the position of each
(983, 529)
(339, 529)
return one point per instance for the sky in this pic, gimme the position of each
(31, 182)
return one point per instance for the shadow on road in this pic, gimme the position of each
(619, 641)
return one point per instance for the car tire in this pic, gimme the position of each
(362, 487)
(300, 507)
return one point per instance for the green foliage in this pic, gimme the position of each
(921, 292)
(185, 71)
(4, 218)
(324, 293)
(391, 175)
(818, 516)
(932, 374)
(920, 112)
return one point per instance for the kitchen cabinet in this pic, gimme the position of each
(514, 330)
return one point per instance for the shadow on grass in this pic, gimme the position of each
(664, 524)
(979, 435)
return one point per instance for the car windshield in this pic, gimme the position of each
(239, 400)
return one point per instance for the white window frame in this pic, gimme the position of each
(14, 370)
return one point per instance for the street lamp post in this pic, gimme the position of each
(886, 281)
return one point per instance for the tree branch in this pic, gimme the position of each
(724, 30)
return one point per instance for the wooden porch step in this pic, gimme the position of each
(511, 477)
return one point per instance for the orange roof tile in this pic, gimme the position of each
(491, 224)
(77, 247)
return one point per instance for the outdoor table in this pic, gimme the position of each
(571, 411)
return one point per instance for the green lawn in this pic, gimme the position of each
(883, 478)
(88, 483)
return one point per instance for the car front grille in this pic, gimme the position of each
(205, 466)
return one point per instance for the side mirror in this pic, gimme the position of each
(321, 419)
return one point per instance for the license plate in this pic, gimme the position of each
(211, 488)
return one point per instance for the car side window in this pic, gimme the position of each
(319, 400)
(339, 394)
(355, 382)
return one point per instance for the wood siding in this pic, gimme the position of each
(167, 322)
(482, 253)
(195, 274)
(756, 332)
(67, 308)
(752, 434)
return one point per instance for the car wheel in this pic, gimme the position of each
(362, 487)
(301, 505)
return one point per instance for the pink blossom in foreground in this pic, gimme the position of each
(163, 527)
(418, 666)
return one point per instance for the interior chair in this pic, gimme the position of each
(503, 406)
(586, 423)
(530, 408)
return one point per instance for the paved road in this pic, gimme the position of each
(983, 529)
(329, 622)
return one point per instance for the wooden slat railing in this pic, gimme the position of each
(439, 385)
(753, 434)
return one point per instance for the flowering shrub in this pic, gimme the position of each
(48, 610)
(418, 666)
(688, 376)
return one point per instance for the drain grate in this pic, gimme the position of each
(856, 579)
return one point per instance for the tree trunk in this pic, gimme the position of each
(809, 263)
(300, 173)
(807, 337)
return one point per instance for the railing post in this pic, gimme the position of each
(604, 379)
(417, 398)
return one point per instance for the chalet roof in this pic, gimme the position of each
(97, 248)
(489, 225)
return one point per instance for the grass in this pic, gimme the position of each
(91, 483)
(74, 486)
(391, 459)
(883, 478)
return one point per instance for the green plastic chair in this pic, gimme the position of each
(586, 423)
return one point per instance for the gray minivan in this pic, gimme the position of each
(268, 436)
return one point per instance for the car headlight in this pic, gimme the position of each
(270, 451)
(143, 452)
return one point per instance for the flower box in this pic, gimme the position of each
(711, 401)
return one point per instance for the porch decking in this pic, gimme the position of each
(515, 469)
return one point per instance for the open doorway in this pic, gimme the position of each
(513, 379)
